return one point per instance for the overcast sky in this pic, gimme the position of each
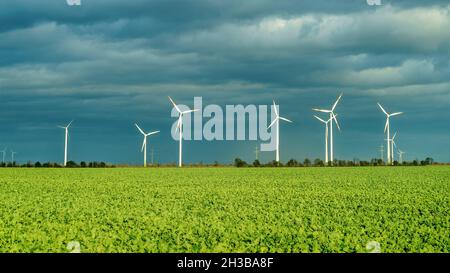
(110, 63)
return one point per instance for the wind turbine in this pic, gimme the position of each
(326, 136)
(4, 154)
(66, 128)
(393, 144)
(400, 156)
(387, 131)
(332, 117)
(12, 156)
(277, 122)
(180, 128)
(144, 143)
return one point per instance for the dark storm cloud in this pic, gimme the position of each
(174, 15)
(114, 62)
(184, 14)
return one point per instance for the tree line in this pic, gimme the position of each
(236, 163)
(70, 164)
(338, 163)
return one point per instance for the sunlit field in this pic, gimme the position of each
(399, 209)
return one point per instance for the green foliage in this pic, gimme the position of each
(292, 163)
(240, 163)
(71, 164)
(256, 163)
(225, 209)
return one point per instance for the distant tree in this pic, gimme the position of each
(364, 163)
(318, 162)
(37, 164)
(71, 164)
(102, 164)
(216, 163)
(292, 163)
(374, 162)
(415, 162)
(272, 163)
(256, 163)
(239, 163)
(341, 163)
(429, 161)
(307, 162)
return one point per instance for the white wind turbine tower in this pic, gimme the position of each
(144, 143)
(277, 122)
(66, 139)
(4, 154)
(400, 156)
(392, 144)
(326, 136)
(392, 147)
(332, 117)
(387, 131)
(12, 156)
(180, 129)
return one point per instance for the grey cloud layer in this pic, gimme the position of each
(385, 47)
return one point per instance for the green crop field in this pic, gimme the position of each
(403, 209)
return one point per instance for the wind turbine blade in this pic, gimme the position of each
(337, 101)
(179, 122)
(322, 110)
(190, 111)
(330, 119)
(139, 128)
(394, 136)
(337, 123)
(275, 108)
(285, 119)
(174, 105)
(382, 109)
(143, 144)
(68, 125)
(396, 114)
(273, 122)
(320, 119)
(62, 127)
(152, 133)
(387, 124)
